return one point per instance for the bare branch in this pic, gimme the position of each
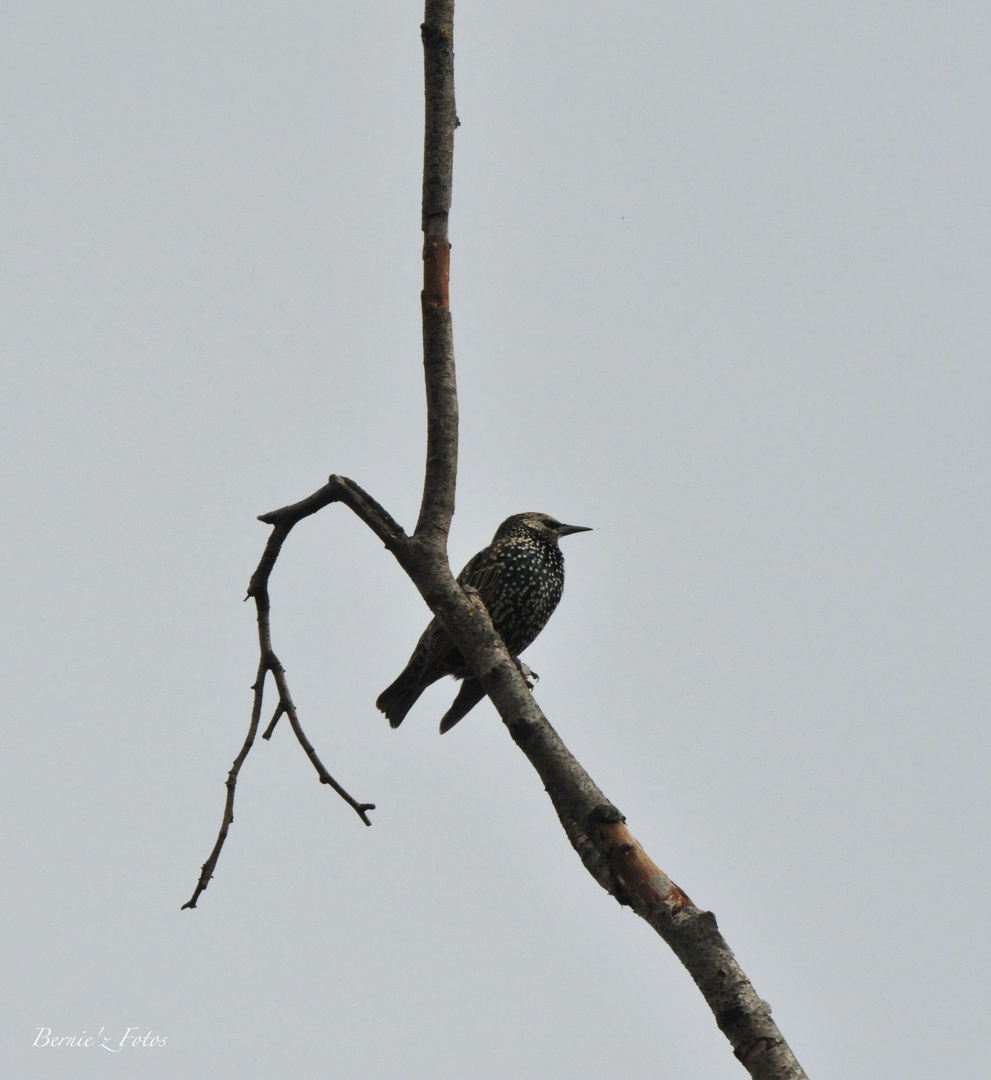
(206, 871)
(337, 489)
(276, 716)
(441, 118)
(594, 826)
(286, 705)
(437, 504)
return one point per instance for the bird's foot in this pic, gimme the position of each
(528, 674)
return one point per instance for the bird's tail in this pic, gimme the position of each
(397, 700)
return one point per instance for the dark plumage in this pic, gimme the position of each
(519, 577)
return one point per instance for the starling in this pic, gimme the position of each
(519, 577)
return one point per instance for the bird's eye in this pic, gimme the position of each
(550, 523)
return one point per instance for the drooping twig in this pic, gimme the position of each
(337, 489)
(206, 871)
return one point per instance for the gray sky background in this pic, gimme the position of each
(720, 291)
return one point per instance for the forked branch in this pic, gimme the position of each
(595, 828)
(337, 489)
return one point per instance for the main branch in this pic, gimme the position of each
(596, 829)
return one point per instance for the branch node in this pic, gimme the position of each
(760, 1045)
(522, 729)
(605, 814)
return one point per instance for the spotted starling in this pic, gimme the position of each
(519, 577)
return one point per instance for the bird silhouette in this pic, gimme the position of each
(520, 578)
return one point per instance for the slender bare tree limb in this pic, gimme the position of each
(337, 489)
(440, 121)
(206, 871)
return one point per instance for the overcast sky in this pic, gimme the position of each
(720, 280)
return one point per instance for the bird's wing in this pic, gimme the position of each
(437, 653)
(484, 573)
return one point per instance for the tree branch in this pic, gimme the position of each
(594, 826)
(437, 504)
(337, 489)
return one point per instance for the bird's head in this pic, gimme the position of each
(542, 526)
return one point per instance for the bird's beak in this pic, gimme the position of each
(567, 530)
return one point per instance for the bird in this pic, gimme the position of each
(519, 577)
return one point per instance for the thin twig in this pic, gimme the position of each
(287, 706)
(337, 489)
(206, 871)
(279, 710)
(258, 589)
